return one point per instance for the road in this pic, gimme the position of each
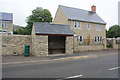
(97, 67)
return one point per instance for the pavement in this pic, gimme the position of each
(79, 55)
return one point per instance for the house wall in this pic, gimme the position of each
(9, 26)
(40, 45)
(14, 44)
(83, 30)
(60, 17)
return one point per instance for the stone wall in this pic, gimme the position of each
(14, 44)
(40, 45)
(69, 45)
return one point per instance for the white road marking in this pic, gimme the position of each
(76, 76)
(113, 68)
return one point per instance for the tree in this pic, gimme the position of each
(38, 15)
(19, 30)
(113, 32)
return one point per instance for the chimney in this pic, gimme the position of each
(93, 8)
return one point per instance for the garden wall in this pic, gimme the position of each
(14, 44)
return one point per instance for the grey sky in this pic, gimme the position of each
(106, 9)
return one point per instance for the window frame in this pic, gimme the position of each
(100, 39)
(4, 24)
(88, 26)
(75, 24)
(95, 39)
(79, 25)
(81, 38)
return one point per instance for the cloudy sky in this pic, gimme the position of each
(106, 9)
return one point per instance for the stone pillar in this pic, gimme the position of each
(69, 45)
(105, 43)
(40, 45)
(114, 41)
(115, 46)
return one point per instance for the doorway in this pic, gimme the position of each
(56, 44)
(88, 40)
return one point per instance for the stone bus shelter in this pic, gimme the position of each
(51, 39)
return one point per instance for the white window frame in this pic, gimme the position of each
(100, 39)
(79, 25)
(95, 39)
(4, 24)
(89, 26)
(80, 39)
(75, 24)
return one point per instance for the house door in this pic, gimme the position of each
(88, 40)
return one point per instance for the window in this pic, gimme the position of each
(95, 39)
(75, 24)
(97, 27)
(78, 24)
(100, 38)
(80, 38)
(4, 24)
(88, 26)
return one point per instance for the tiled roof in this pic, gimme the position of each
(81, 15)
(6, 16)
(47, 28)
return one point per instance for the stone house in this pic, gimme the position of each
(89, 29)
(50, 38)
(6, 23)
